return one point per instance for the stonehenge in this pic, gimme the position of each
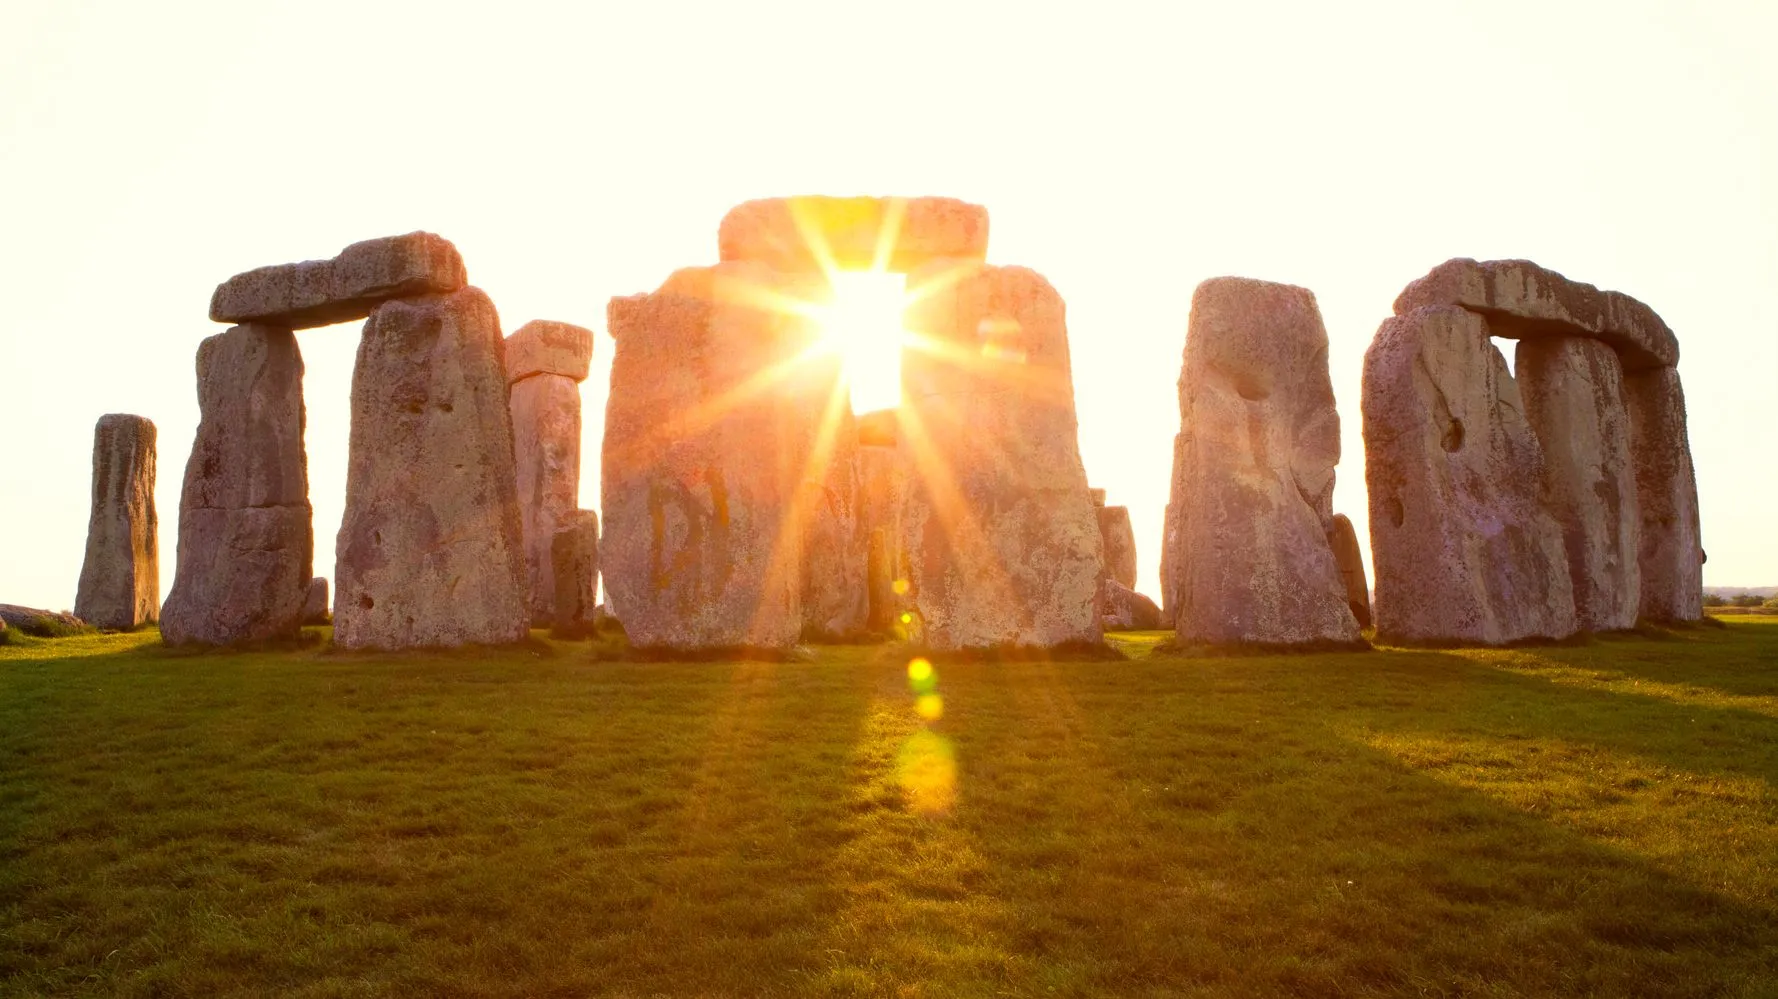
(744, 507)
(1248, 558)
(1507, 509)
(120, 581)
(545, 364)
(430, 551)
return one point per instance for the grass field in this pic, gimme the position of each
(1589, 820)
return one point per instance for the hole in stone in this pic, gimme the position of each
(1251, 388)
(412, 407)
(376, 537)
(1453, 439)
(444, 407)
(1398, 514)
(366, 602)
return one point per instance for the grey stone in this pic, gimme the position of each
(430, 552)
(342, 289)
(1124, 609)
(574, 559)
(1574, 400)
(120, 583)
(854, 232)
(246, 541)
(1002, 543)
(26, 618)
(316, 607)
(1253, 475)
(546, 452)
(1343, 539)
(1671, 555)
(1524, 301)
(1463, 548)
(543, 347)
(1119, 541)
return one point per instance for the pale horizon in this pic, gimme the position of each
(151, 154)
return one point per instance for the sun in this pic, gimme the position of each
(862, 323)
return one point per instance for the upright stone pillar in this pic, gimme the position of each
(430, 551)
(1464, 549)
(1253, 477)
(545, 364)
(1003, 545)
(1671, 554)
(246, 542)
(120, 582)
(882, 481)
(1573, 389)
(1343, 538)
(574, 558)
(1119, 540)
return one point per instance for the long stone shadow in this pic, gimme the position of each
(1231, 838)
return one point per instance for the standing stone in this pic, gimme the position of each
(1173, 536)
(702, 462)
(545, 363)
(1253, 480)
(574, 559)
(1463, 548)
(1126, 610)
(1671, 556)
(1574, 400)
(1344, 540)
(120, 582)
(246, 543)
(882, 481)
(1002, 543)
(430, 551)
(1119, 541)
(835, 593)
(789, 234)
(315, 607)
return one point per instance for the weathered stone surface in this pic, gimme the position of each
(1343, 539)
(778, 232)
(1671, 554)
(1123, 609)
(1523, 300)
(246, 537)
(882, 481)
(702, 548)
(1098, 496)
(574, 560)
(546, 454)
(25, 618)
(1574, 400)
(1002, 543)
(1173, 536)
(120, 584)
(1119, 541)
(543, 347)
(430, 551)
(317, 607)
(1254, 473)
(1462, 547)
(343, 289)
(835, 597)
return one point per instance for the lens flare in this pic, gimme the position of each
(919, 671)
(927, 770)
(931, 707)
(862, 324)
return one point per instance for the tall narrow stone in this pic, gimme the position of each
(835, 597)
(882, 481)
(120, 582)
(1002, 543)
(430, 551)
(545, 364)
(1463, 548)
(1671, 555)
(1344, 540)
(246, 542)
(1573, 389)
(1119, 540)
(574, 558)
(703, 462)
(1254, 473)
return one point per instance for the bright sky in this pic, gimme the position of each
(1126, 151)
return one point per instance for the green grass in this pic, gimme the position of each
(1589, 820)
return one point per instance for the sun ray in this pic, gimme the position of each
(963, 534)
(888, 233)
